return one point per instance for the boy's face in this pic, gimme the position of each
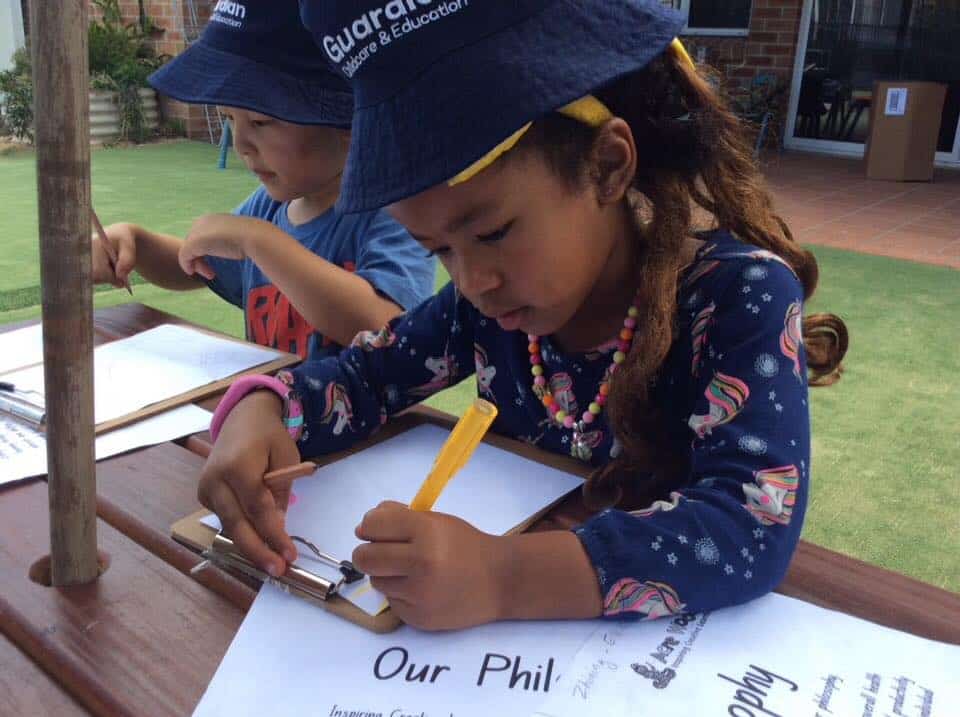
(291, 160)
(519, 243)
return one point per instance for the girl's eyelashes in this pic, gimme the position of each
(491, 237)
(496, 235)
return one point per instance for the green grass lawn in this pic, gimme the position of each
(162, 186)
(886, 448)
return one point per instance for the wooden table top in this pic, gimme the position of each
(146, 638)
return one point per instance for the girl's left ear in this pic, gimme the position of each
(614, 161)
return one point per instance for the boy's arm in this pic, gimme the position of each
(335, 302)
(152, 254)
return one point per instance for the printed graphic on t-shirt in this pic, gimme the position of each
(273, 321)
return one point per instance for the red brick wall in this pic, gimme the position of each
(769, 48)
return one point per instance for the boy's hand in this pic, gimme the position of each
(252, 442)
(438, 571)
(224, 235)
(123, 239)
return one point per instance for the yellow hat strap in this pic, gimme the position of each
(588, 110)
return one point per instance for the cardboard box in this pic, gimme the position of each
(904, 124)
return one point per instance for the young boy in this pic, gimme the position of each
(308, 277)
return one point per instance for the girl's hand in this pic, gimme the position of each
(439, 572)
(252, 442)
(223, 235)
(123, 240)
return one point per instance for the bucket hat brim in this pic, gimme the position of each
(467, 102)
(206, 75)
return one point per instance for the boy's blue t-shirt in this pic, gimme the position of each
(369, 244)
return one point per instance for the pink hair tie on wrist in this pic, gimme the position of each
(292, 409)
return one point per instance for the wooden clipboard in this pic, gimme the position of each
(282, 361)
(197, 535)
(285, 359)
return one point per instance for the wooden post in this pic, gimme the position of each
(61, 118)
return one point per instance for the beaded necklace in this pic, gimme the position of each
(579, 447)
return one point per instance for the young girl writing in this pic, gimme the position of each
(552, 155)
(307, 276)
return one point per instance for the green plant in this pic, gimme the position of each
(121, 59)
(133, 125)
(765, 94)
(16, 97)
(111, 44)
(172, 127)
(761, 107)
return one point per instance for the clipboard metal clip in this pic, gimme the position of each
(346, 568)
(16, 404)
(296, 580)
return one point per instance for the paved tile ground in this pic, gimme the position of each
(829, 201)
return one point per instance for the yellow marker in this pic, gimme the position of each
(456, 452)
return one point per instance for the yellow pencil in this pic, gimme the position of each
(462, 442)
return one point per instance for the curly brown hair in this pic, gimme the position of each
(694, 157)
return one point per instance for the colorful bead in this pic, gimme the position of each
(553, 409)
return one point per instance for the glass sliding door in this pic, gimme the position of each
(847, 45)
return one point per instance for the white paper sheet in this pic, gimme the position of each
(155, 365)
(495, 492)
(290, 658)
(23, 450)
(21, 347)
(774, 657)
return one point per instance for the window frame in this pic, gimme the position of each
(683, 6)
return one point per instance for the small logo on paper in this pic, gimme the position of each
(660, 678)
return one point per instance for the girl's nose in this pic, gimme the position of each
(477, 278)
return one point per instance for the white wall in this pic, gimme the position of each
(11, 30)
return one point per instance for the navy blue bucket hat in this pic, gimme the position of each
(439, 83)
(256, 55)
